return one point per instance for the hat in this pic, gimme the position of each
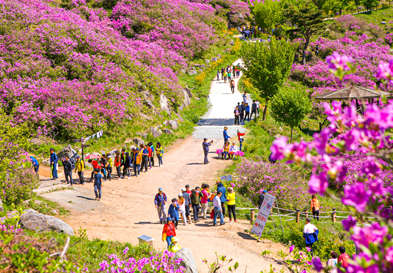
(51, 149)
(78, 156)
(205, 139)
(159, 189)
(174, 239)
(123, 149)
(187, 186)
(308, 219)
(183, 189)
(168, 219)
(197, 187)
(264, 191)
(180, 195)
(96, 170)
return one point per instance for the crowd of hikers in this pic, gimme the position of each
(229, 73)
(126, 164)
(242, 110)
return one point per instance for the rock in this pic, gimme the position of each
(168, 131)
(207, 61)
(1, 205)
(67, 151)
(155, 132)
(188, 260)
(383, 23)
(186, 98)
(37, 221)
(231, 42)
(235, 19)
(36, 141)
(214, 59)
(183, 71)
(166, 123)
(192, 72)
(138, 141)
(149, 103)
(128, 141)
(54, 211)
(143, 135)
(174, 125)
(146, 117)
(180, 117)
(164, 103)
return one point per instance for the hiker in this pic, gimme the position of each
(97, 184)
(232, 150)
(95, 165)
(218, 209)
(232, 84)
(205, 146)
(118, 165)
(109, 166)
(195, 201)
(138, 153)
(127, 165)
(310, 234)
(35, 163)
(225, 133)
(229, 74)
(258, 106)
(237, 115)
(173, 211)
(145, 157)
(240, 107)
(343, 258)
(182, 207)
(187, 199)
(104, 163)
(160, 153)
(153, 153)
(160, 201)
(174, 246)
(315, 207)
(245, 97)
(261, 198)
(225, 75)
(123, 161)
(68, 167)
(204, 200)
(222, 73)
(188, 190)
(247, 116)
(225, 153)
(53, 162)
(150, 151)
(332, 262)
(218, 74)
(222, 189)
(80, 167)
(253, 110)
(231, 204)
(168, 231)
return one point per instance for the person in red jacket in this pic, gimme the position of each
(169, 231)
(239, 137)
(343, 258)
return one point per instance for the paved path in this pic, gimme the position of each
(127, 210)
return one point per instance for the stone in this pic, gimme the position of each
(146, 117)
(207, 61)
(214, 59)
(164, 103)
(149, 103)
(1, 205)
(174, 125)
(155, 132)
(192, 72)
(128, 141)
(142, 135)
(166, 123)
(231, 42)
(67, 151)
(183, 71)
(168, 131)
(36, 141)
(180, 117)
(188, 260)
(186, 97)
(138, 141)
(33, 220)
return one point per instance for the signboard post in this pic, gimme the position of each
(263, 214)
(82, 145)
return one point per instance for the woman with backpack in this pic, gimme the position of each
(118, 164)
(160, 153)
(232, 84)
(127, 165)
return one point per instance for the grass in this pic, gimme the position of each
(377, 16)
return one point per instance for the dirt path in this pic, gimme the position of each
(127, 210)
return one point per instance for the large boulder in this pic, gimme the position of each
(164, 103)
(36, 141)
(67, 151)
(155, 132)
(187, 96)
(168, 131)
(174, 124)
(149, 103)
(1, 205)
(33, 220)
(188, 260)
(138, 141)
(146, 117)
(192, 72)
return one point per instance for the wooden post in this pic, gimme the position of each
(297, 216)
(361, 218)
(252, 215)
(334, 216)
(306, 213)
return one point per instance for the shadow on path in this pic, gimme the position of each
(216, 122)
(246, 236)
(87, 198)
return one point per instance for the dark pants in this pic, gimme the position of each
(137, 169)
(36, 169)
(316, 214)
(118, 169)
(187, 210)
(125, 169)
(144, 163)
(152, 161)
(54, 171)
(68, 177)
(247, 116)
(237, 120)
(103, 171)
(223, 208)
(195, 208)
(255, 114)
(312, 251)
(97, 190)
(81, 178)
(205, 160)
(241, 116)
(232, 210)
(159, 160)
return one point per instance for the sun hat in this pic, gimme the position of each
(159, 189)
(168, 219)
(264, 191)
(180, 195)
(183, 189)
(174, 239)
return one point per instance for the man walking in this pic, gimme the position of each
(205, 146)
(310, 234)
(68, 167)
(187, 202)
(195, 201)
(247, 116)
(223, 190)
(118, 165)
(241, 111)
(218, 209)
(225, 134)
(80, 167)
(261, 198)
(97, 184)
(53, 162)
(254, 110)
(160, 201)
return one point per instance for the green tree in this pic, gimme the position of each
(290, 105)
(267, 14)
(370, 4)
(306, 20)
(267, 66)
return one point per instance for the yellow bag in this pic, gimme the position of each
(164, 237)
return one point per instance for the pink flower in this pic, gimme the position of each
(338, 62)
(349, 223)
(318, 184)
(356, 196)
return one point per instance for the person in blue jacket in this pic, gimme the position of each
(310, 234)
(36, 165)
(53, 162)
(225, 133)
(223, 190)
(173, 212)
(205, 146)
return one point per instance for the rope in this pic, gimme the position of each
(246, 208)
(284, 209)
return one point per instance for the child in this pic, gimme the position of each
(332, 263)
(97, 184)
(182, 207)
(109, 166)
(173, 212)
(232, 150)
(160, 153)
(95, 167)
(226, 150)
(168, 231)
(174, 246)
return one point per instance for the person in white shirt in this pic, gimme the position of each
(332, 262)
(258, 106)
(232, 150)
(310, 234)
(218, 209)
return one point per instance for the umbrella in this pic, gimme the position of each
(92, 156)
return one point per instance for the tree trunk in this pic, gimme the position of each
(264, 111)
(304, 50)
(291, 134)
